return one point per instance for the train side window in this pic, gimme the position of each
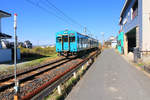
(58, 39)
(78, 39)
(72, 39)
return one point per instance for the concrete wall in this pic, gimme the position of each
(0, 26)
(0, 44)
(5, 55)
(146, 24)
(0, 32)
(125, 45)
(18, 54)
(140, 23)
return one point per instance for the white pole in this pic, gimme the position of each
(87, 63)
(15, 56)
(82, 67)
(59, 90)
(74, 75)
(102, 33)
(84, 30)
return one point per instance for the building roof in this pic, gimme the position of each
(4, 36)
(4, 14)
(126, 4)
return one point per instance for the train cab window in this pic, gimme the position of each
(65, 39)
(58, 39)
(72, 39)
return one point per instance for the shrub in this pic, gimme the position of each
(37, 52)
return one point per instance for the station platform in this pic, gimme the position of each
(112, 78)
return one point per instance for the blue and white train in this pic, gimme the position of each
(73, 43)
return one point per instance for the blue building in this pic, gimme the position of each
(135, 24)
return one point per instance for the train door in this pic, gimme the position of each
(72, 44)
(65, 43)
(59, 44)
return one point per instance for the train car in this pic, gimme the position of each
(73, 43)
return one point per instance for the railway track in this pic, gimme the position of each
(7, 84)
(7, 76)
(9, 81)
(32, 79)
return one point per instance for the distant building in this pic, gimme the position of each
(111, 42)
(52, 45)
(27, 44)
(135, 25)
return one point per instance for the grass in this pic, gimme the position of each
(141, 64)
(33, 57)
(66, 87)
(24, 66)
(37, 52)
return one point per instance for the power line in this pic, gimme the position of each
(52, 6)
(60, 11)
(46, 10)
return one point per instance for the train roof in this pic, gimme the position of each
(71, 31)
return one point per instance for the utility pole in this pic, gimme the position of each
(85, 30)
(102, 33)
(15, 58)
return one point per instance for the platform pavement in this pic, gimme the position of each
(112, 78)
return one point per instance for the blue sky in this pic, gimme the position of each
(39, 26)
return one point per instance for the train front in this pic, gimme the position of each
(66, 44)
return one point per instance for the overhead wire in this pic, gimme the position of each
(52, 6)
(46, 10)
(60, 11)
(69, 18)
